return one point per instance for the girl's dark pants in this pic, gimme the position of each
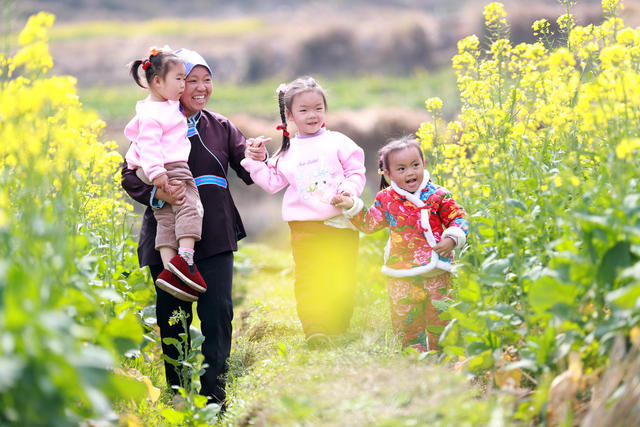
(215, 310)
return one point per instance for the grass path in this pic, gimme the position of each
(363, 378)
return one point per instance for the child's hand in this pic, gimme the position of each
(161, 181)
(256, 149)
(444, 247)
(342, 201)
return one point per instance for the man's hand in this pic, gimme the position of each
(444, 247)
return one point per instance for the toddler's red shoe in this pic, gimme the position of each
(168, 282)
(189, 274)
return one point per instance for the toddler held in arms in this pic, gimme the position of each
(159, 152)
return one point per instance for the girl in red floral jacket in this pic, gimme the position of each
(426, 225)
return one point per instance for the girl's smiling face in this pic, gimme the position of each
(307, 112)
(406, 168)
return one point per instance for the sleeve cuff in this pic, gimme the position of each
(348, 188)
(358, 204)
(153, 202)
(457, 234)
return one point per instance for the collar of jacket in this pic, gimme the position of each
(413, 197)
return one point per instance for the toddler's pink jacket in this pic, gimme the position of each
(158, 135)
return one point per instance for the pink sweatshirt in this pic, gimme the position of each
(315, 167)
(158, 135)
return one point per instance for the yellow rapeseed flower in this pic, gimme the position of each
(610, 7)
(626, 37)
(495, 15)
(433, 104)
(612, 56)
(565, 22)
(625, 149)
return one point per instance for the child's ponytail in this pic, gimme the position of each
(282, 90)
(135, 73)
(157, 64)
(383, 182)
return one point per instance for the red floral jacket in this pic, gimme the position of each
(417, 222)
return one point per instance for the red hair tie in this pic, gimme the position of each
(283, 127)
(146, 64)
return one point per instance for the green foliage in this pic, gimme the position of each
(65, 311)
(192, 408)
(544, 157)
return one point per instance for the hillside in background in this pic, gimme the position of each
(248, 41)
(379, 59)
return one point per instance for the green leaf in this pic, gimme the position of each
(200, 401)
(172, 341)
(451, 334)
(197, 342)
(626, 297)
(210, 413)
(476, 348)
(454, 350)
(125, 331)
(173, 416)
(617, 257)
(481, 361)
(470, 292)
(514, 203)
(546, 292)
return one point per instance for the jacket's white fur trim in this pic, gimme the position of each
(413, 197)
(424, 222)
(434, 268)
(457, 234)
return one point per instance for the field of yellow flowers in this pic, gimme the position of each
(543, 155)
(66, 314)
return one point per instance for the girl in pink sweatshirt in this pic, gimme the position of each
(314, 166)
(159, 152)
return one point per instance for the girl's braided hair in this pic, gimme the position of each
(286, 93)
(390, 147)
(157, 64)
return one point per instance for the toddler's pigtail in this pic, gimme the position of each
(157, 64)
(134, 72)
(383, 182)
(282, 90)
